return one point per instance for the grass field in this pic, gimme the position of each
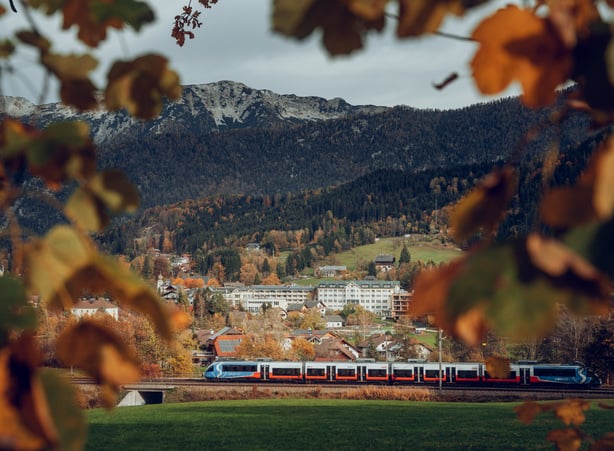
(420, 249)
(314, 424)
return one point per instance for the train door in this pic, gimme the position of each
(450, 374)
(330, 372)
(525, 376)
(362, 373)
(419, 374)
(264, 372)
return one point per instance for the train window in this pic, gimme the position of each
(432, 373)
(403, 373)
(511, 375)
(554, 372)
(467, 374)
(236, 368)
(346, 372)
(316, 372)
(377, 373)
(286, 371)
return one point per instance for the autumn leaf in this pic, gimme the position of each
(485, 205)
(14, 434)
(7, 48)
(76, 89)
(498, 367)
(517, 45)
(108, 192)
(566, 439)
(527, 411)
(564, 267)
(591, 198)
(418, 17)
(15, 311)
(34, 39)
(94, 17)
(140, 85)
(343, 22)
(99, 351)
(571, 412)
(64, 264)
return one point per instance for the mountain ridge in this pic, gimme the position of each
(226, 138)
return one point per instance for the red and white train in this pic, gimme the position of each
(411, 372)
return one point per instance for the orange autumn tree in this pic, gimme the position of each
(37, 406)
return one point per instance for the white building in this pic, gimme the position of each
(374, 295)
(278, 296)
(90, 307)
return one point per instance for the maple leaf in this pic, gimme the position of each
(140, 85)
(527, 411)
(516, 44)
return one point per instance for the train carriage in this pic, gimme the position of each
(412, 372)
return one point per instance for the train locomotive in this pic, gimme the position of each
(525, 373)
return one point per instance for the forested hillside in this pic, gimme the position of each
(384, 202)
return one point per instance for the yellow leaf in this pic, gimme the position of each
(516, 44)
(71, 65)
(571, 412)
(84, 209)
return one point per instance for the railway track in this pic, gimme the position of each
(446, 390)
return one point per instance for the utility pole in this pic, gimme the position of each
(440, 364)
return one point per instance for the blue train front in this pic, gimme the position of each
(233, 370)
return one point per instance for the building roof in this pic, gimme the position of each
(333, 319)
(226, 345)
(384, 259)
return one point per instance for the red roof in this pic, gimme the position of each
(226, 345)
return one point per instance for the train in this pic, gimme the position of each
(523, 373)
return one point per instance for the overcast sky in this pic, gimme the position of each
(235, 43)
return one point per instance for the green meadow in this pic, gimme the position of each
(317, 424)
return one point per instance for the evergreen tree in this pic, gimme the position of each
(405, 256)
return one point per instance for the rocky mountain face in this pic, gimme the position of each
(226, 138)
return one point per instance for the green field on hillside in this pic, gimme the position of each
(314, 424)
(420, 249)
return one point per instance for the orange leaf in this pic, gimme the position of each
(516, 44)
(431, 290)
(565, 439)
(527, 411)
(498, 367)
(485, 205)
(471, 327)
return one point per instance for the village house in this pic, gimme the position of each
(331, 271)
(89, 307)
(384, 262)
(333, 321)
